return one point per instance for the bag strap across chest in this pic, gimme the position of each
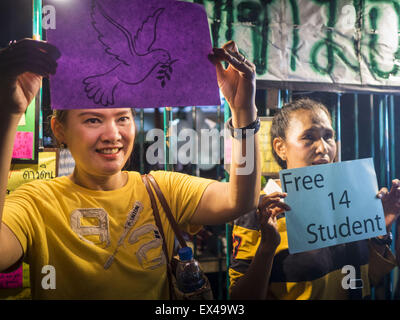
(148, 180)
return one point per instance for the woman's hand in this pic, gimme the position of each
(269, 208)
(390, 202)
(22, 66)
(237, 82)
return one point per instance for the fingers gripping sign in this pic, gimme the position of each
(22, 65)
(237, 81)
(390, 202)
(269, 208)
(29, 55)
(230, 53)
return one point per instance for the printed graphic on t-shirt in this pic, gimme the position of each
(148, 260)
(92, 226)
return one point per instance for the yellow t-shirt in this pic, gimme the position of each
(87, 244)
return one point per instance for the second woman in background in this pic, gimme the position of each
(262, 268)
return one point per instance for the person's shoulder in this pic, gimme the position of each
(160, 176)
(134, 175)
(159, 173)
(166, 174)
(169, 177)
(173, 179)
(44, 184)
(37, 190)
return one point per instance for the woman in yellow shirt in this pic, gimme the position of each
(95, 229)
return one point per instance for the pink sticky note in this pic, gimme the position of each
(12, 279)
(23, 145)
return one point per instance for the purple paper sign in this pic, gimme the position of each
(132, 53)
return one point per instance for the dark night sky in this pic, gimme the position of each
(15, 20)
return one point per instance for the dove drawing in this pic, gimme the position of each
(135, 57)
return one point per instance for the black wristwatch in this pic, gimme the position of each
(241, 132)
(386, 240)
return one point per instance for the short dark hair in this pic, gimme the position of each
(280, 122)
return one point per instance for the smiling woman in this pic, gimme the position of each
(100, 140)
(96, 228)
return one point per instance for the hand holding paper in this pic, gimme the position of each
(390, 203)
(269, 208)
(22, 66)
(237, 82)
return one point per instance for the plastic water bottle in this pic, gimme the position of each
(189, 276)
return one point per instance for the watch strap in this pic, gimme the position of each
(240, 133)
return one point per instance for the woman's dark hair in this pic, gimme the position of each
(281, 120)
